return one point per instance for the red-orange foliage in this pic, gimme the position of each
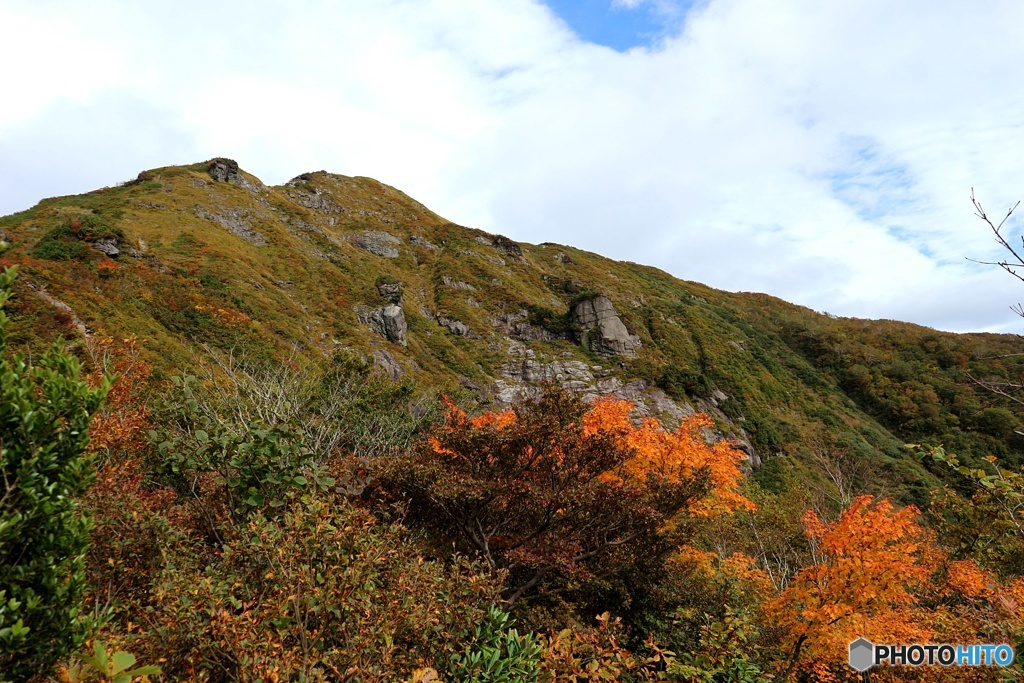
(676, 456)
(132, 524)
(868, 565)
(120, 426)
(558, 490)
(106, 268)
(685, 454)
(878, 574)
(970, 604)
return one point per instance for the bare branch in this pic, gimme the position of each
(1002, 388)
(1018, 262)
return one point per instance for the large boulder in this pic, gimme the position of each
(395, 327)
(388, 322)
(226, 171)
(107, 245)
(600, 329)
(223, 170)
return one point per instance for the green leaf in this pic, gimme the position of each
(121, 661)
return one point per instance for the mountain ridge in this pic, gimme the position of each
(206, 256)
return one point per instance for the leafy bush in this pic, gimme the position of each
(498, 654)
(116, 667)
(59, 245)
(45, 410)
(726, 653)
(988, 524)
(322, 592)
(680, 382)
(244, 470)
(547, 319)
(597, 654)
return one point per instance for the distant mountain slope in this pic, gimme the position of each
(206, 255)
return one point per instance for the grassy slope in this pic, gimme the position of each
(788, 371)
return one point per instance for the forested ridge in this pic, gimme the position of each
(317, 432)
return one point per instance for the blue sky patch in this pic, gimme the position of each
(620, 27)
(875, 185)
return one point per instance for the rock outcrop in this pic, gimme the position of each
(392, 291)
(387, 362)
(377, 242)
(523, 372)
(388, 322)
(515, 324)
(107, 245)
(504, 245)
(508, 247)
(236, 221)
(423, 242)
(456, 327)
(457, 284)
(303, 192)
(226, 171)
(600, 329)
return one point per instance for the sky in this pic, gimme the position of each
(822, 152)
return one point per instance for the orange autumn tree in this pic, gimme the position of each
(679, 455)
(868, 567)
(974, 601)
(558, 493)
(877, 573)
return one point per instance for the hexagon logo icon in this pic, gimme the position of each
(862, 654)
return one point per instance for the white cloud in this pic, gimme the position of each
(822, 152)
(668, 9)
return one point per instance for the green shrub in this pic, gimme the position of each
(45, 410)
(681, 382)
(66, 242)
(115, 668)
(497, 654)
(252, 469)
(268, 425)
(545, 318)
(59, 244)
(322, 592)
(727, 653)
(211, 281)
